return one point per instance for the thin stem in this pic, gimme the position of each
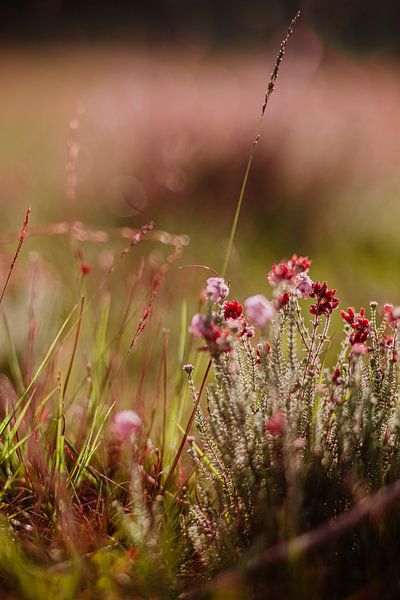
(22, 236)
(71, 362)
(187, 430)
(165, 381)
(268, 92)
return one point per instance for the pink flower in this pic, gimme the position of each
(303, 284)
(217, 289)
(359, 348)
(202, 327)
(125, 423)
(393, 314)
(198, 325)
(217, 340)
(259, 310)
(276, 423)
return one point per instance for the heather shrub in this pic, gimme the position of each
(285, 442)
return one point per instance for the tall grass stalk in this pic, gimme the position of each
(268, 92)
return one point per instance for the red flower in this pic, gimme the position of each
(232, 310)
(247, 330)
(276, 423)
(359, 323)
(286, 270)
(349, 315)
(280, 272)
(336, 375)
(300, 264)
(283, 300)
(326, 301)
(262, 352)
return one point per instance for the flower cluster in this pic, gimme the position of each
(225, 319)
(360, 324)
(393, 314)
(217, 289)
(287, 270)
(325, 299)
(232, 310)
(217, 340)
(290, 277)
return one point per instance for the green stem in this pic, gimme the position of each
(268, 92)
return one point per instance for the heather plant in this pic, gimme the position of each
(285, 442)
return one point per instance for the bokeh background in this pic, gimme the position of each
(115, 113)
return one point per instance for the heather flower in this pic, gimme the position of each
(283, 300)
(204, 327)
(326, 301)
(392, 313)
(386, 342)
(126, 423)
(359, 348)
(262, 352)
(223, 343)
(217, 340)
(232, 310)
(259, 310)
(217, 289)
(286, 271)
(303, 285)
(276, 423)
(198, 325)
(300, 264)
(279, 273)
(359, 323)
(240, 326)
(247, 330)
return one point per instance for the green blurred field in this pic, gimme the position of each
(100, 140)
(165, 135)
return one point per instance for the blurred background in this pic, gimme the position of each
(116, 113)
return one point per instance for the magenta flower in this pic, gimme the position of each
(259, 310)
(217, 289)
(126, 423)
